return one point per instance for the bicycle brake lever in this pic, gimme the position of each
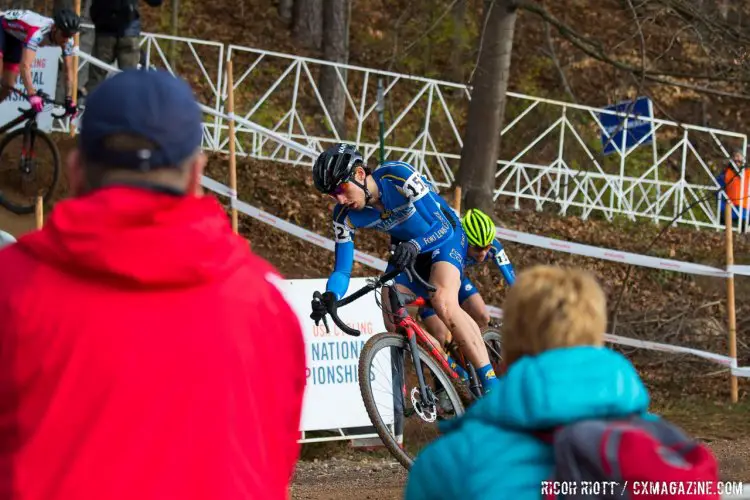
(412, 272)
(318, 297)
(409, 275)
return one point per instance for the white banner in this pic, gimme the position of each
(332, 398)
(44, 74)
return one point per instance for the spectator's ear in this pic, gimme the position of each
(196, 166)
(75, 172)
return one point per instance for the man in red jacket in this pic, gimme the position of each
(144, 351)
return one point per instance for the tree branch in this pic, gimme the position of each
(594, 49)
(556, 61)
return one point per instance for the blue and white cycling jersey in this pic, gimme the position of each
(497, 254)
(413, 212)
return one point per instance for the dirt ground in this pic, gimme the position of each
(352, 476)
(358, 476)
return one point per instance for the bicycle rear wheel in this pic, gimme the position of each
(26, 173)
(390, 391)
(493, 340)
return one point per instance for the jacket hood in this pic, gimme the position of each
(139, 238)
(561, 386)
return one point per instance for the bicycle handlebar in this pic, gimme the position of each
(369, 287)
(46, 99)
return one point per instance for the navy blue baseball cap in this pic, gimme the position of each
(154, 105)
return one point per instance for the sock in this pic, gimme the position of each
(488, 378)
(457, 368)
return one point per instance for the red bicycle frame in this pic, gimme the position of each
(410, 327)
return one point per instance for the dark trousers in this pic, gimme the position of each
(110, 48)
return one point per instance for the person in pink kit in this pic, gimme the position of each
(145, 352)
(22, 33)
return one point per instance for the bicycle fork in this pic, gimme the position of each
(27, 153)
(400, 314)
(426, 399)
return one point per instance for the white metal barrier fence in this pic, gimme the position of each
(550, 150)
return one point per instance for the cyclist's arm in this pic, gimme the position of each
(415, 190)
(503, 263)
(440, 230)
(70, 68)
(27, 59)
(338, 282)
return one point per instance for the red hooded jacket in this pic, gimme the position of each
(145, 354)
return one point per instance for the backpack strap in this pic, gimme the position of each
(547, 435)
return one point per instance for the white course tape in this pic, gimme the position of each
(744, 270)
(495, 312)
(502, 233)
(611, 255)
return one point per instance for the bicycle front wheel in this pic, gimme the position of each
(391, 394)
(28, 169)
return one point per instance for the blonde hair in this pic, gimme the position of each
(551, 307)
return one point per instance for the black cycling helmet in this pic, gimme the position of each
(67, 21)
(334, 166)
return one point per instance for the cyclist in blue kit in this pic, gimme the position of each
(483, 247)
(397, 200)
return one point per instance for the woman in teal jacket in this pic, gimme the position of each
(490, 452)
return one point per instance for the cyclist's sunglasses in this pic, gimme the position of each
(340, 188)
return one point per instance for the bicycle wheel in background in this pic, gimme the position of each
(390, 391)
(26, 173)
(493, 340)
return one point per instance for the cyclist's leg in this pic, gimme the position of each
(437, 329)
(10, 55)
(403, 284)
(473, 303)
(446, 276)
(434, 326)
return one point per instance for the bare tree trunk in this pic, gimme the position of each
(724, 8)
(459, 38)
(308, 22)
(174, 27)
(286, 8)
(487, 108)
(336, 14)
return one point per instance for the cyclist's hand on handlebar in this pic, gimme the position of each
(70, 107)
(405, 255)
(37, 103)
(320, 306)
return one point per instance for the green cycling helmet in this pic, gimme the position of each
(479, 228)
